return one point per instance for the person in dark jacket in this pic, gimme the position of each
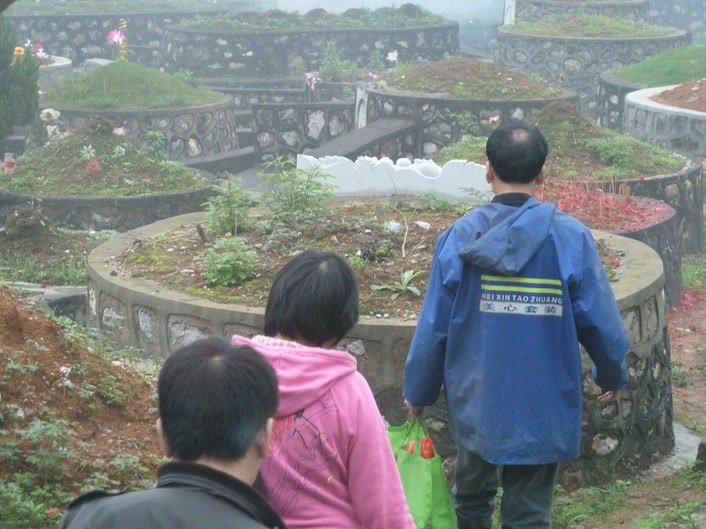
(216, 403)
(515, 286)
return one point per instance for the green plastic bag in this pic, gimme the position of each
(423, 478)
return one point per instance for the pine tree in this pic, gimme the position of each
(19, 75)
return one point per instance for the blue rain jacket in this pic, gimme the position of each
(512, 292)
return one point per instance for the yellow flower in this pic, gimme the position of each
(19, 51)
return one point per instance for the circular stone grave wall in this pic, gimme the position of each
(679, 129)
(190, 132)
(576, 62)
(442, 117)
(59, 69)
(118, 213)
(682, 190)
(277, 53)
(137, 312)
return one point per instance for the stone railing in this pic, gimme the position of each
(246, 93)
(683, 191)
(442, 119)
(621, 10)
(212, 54)
(610, 99)
(290, 129)
(158, 321)
(689, 15)
(576, 62)
(190, 132)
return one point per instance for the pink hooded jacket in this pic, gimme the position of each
(330, 463)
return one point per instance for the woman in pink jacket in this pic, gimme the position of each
(331, 464)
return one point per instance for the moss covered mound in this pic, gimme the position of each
(582, 151)
(472, 79)
(97, 161)
(128, 86)
(595, 26)
(405, 16)
(671, 67)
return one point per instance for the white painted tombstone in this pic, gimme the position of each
(373, 177)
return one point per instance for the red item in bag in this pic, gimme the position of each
(427, 448)
(409, 447)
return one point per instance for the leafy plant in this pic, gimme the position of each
(155, 146)
(230, 261)
(467, 123)
(375, 61)
(333, 68)
(401, 286)
(294, 194)
(694, 271)
(109, 390)
(229, 207)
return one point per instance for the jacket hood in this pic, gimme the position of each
(508, 246)
(304, 374)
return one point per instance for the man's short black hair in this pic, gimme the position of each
(517, 151)
(214, 398)
(314, 297)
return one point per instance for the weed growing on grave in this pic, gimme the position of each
(293, 194)
(229, 262)
(228, 208)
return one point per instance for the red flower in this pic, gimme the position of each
(93, 167)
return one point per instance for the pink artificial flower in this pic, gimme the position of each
(116, 36)
(8, 164)
(119, 131)
(38, 47)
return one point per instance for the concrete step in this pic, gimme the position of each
(225, 162)
(243, 118)
(244, 136)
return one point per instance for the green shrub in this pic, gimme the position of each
(19, 75)
(294, 194)
(228, 208)
(229, 262)
(333, 68)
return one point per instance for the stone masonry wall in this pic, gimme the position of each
(689, 15)
(289, 129)
(81, 37)
(211, 54)
(576, 63)
(190, 132)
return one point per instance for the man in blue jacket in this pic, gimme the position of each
(515, 285)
